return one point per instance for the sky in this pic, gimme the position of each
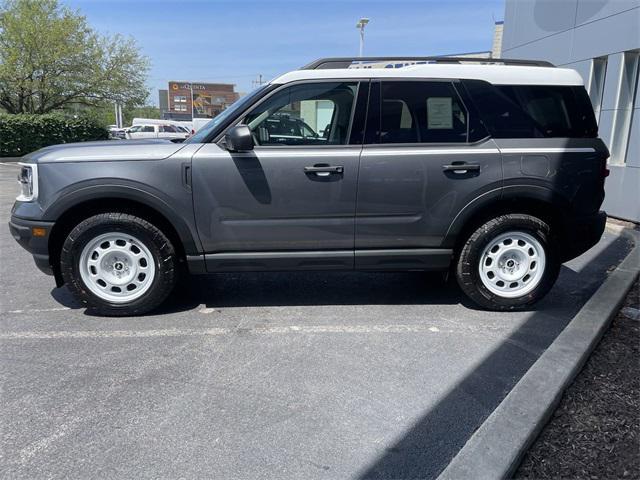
(233, 41)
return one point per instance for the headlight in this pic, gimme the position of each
(28, 179)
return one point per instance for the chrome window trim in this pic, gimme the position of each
(548, 150)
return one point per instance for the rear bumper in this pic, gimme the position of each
(582, 233)
(22, 231)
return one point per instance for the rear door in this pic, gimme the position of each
(426, 156)
(289, 203)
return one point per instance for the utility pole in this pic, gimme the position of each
(257, 82)
(118, 113)
(361, 24)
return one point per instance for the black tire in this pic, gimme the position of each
(468, 262)
(154, 240)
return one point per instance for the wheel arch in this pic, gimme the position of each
(541, 202)
(75, 208)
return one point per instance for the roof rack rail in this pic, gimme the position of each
(345, 62)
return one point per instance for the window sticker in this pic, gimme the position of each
(439, 113)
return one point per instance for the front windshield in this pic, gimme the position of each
(239, 105)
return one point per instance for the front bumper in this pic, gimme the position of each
(582, 233)
(22, 231)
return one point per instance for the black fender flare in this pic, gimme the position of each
(122, 189)
(501, 196)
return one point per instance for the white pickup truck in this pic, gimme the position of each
(157, 131)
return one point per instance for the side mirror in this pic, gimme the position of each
(239, 139)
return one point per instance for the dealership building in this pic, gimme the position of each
(601, 40)
(188, 100)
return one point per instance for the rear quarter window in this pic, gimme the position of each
(534, 111)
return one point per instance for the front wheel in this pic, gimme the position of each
(508, 263)
(118, 264)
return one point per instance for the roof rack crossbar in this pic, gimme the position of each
(345, 62)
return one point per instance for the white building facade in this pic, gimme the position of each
(601, 40)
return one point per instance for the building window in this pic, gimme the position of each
(624, 107)
(180, 108)
(180, 98)
(596, 84)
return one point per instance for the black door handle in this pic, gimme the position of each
(324, 170)
(186, 175)
(461, 167)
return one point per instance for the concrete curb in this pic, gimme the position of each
(10, 159)
(495, 450)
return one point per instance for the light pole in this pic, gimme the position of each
(193, 108)
(361, 24)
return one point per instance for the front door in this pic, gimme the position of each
(423, 160)
(289, 203)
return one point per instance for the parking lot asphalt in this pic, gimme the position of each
(278, 375)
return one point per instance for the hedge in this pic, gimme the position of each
(22, 134)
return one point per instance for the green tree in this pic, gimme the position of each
(105, 115)
(50, 58)
(147, 111)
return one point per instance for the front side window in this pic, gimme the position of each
(308, 114)
(422, 112)
(147, 129)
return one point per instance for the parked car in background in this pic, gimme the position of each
(170, 132)
(184, 129)
(117, 133)
(288, 130)
(490, 169)
(163, 121)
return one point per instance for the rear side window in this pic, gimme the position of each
(422, 112)
(534, 111)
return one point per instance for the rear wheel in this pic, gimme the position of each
(508, 263)
(118, 264)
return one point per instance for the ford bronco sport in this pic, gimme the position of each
(490, 168)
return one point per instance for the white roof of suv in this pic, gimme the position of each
(498, 74)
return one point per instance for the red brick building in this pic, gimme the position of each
(200, 100)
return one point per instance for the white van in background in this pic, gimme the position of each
(198, 123)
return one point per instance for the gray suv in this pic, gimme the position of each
(492, 169)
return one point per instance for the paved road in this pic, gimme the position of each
(314, 375)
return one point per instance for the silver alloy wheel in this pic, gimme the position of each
(117, 267)
(512, 264)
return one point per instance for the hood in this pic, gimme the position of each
(108, 150)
